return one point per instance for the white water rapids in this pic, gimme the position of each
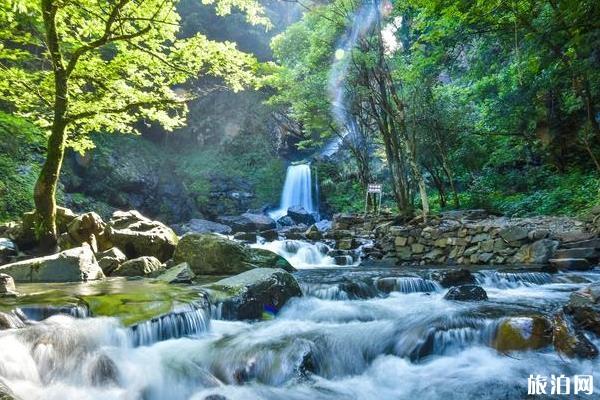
(366, 344)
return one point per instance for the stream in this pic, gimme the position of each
(358, 333)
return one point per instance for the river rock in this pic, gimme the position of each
(248, 222)
(456, 277)
(313, 233)
(523, 333)
(181, 273)
(570, 342)
(466, 293)
(110, 259)
(73, 265)
(246, 237)
(301, 216)
(141, 266)
(254, 294)
(269, 235)
(285, 221)
(8, 250)
(538, 252)
(584, 308)
(210, 254)
(201, 226)
(14, 319)
(7, 286)
(139, 236)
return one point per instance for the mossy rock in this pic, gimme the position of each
(210, 254)
(523, 333)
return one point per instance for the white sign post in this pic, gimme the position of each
(374, 190)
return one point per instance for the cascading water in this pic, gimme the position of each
(297, 191)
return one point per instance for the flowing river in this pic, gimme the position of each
(357, 333)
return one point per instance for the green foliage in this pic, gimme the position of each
(120, 63)
(20, 146)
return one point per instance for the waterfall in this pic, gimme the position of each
(297, 191)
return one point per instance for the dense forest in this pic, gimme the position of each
(299, 199)
(447, 103)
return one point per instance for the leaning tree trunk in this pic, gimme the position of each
(44, 195)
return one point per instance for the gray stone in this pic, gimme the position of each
(254, 294)
(8, 250)
(139, 236)
(514, 233)
(582, 252)
(576, 264)
(73, 265)
(201, 226)
(181, 273)
(480, 237)
(456, 277)
(110, 259)
(141, 266)
(301, 216)
(466, 293)
(7, 286)
(485, 257)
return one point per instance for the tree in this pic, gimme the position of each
(76, 67)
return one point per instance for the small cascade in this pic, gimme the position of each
(297, 191)
(324, 291)
(40, 313)
(453, 335)
(407, 284)
(508, 280)
(302, 254)
(188, 320)
(12, 319)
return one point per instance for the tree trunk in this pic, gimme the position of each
(45, 188)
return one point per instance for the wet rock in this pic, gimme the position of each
(8, 250)
(210, 254)
(246, 237)
(12, 320)
(584, 308)
(181, 273)
(574, 236)
(248, 222)
(456, 277)
(346, 244)
(256, 294)
(285, 221)
(5, 392)
(570, 342)
(346, 221)
(466, 293)
(201, 226)
(103, 371)
(301, 216)
(7, 286)
(215, 397)
(139, 236)
(141, 266)
(73, 265)
(574, 264)
(313, 233)
(523, 333)
(269, 235)
(514, 233)
(582, 252)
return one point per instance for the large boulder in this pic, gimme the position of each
(139, 236)
(514, 233)
(466, 293)
(73, 265)
(210, 254)
(538, 252)
(86, 228)
(301, 216)
(523, 333)
(110, 259)
(256, 294)
(142, 266)
(201, 226)
(248, 222)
